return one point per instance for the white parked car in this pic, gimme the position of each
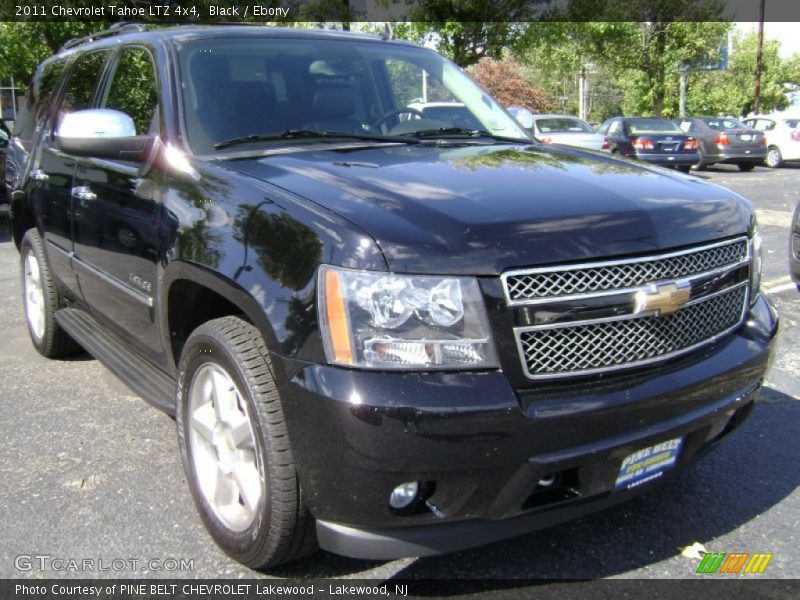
(561, 129)
(783, 137)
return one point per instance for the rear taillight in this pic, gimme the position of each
(722, 140)
(796, 136)
(547, 140)
(606, 144)
(690, 144)
(643, 143)
(762, 140)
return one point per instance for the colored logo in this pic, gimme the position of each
(734, 562)
(663, 299)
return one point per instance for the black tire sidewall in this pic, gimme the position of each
(32, 244)
(200, 350)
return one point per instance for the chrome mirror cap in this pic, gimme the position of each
(96, 123)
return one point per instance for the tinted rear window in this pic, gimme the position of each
(38, 99)
(652, 126)
(82, 84)
(724, 124)
(560, 125)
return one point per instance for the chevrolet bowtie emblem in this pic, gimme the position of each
(663, 299)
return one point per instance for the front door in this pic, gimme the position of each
(116, 218)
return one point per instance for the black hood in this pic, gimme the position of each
(481, 209)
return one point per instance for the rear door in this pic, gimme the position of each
(116, 217)
(49, 182)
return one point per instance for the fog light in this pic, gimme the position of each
(404, 494)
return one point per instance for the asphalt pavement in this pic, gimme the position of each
(88, 470)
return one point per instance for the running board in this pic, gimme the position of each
(150, 383)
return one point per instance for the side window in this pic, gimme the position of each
(133, 88)
(38, 100)
(82, 83)
(614, 128)
(603, 129)
(764, 125)
(687, 126)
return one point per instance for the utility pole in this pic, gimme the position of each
(684, 83)
(582, 93)
(759, 53)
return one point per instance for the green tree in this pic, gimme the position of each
(731, 91)
(468, 30)
(25, 45)
(646, 56)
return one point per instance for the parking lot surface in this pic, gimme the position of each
(90, 471)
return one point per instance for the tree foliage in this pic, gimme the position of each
(468, 30)
(25, 45)
(731, 91)
(502, 80)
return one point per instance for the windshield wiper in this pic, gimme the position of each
(306, 133)
(445, 132)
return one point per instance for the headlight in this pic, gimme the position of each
(387, 321)
(755, 265)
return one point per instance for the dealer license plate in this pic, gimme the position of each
(648, 464)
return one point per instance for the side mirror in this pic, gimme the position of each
(523, 116)
(102, 133)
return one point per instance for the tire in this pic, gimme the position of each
(700, 165)
(244, 482)
(745, 167)
(41, 300)
(684, 168)
(773, 159)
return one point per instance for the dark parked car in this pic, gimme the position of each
(5, 136)
(656, 141)
(378, 335)
(724, 140)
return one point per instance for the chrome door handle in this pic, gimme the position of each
(39, 175)
(83, 193)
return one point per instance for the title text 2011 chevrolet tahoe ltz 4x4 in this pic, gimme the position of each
(380, 333)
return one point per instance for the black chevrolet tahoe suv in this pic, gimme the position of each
(380, 333)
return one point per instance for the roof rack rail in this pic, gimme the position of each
(113, 29)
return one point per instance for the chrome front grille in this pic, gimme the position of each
(593, 347)
(536, 285)
(608, 315)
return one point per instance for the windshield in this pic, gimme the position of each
(793, 123)
(562, 125)
(653, 126)
(724, 124)
(236, 88)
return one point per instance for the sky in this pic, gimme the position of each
(788, 34)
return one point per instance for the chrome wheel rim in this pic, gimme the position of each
(224, 454)
(34, 297)
(773, 158)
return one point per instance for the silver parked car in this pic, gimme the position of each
(560, 129)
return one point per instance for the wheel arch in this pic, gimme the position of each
(22, 217)
(194, 295)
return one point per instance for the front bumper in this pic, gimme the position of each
(482, 446)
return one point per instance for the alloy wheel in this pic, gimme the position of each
(34, 297)
(223, 448)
